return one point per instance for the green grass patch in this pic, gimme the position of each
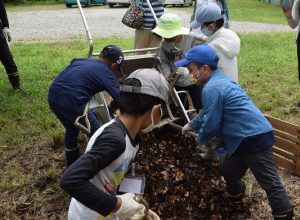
(255, 10)
(25, 115)
(267, 71)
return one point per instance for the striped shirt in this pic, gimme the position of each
(158, 8)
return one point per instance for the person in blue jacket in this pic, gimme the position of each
(74, 87)
(230, 114)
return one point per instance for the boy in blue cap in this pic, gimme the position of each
(230, 114)
(74, 87)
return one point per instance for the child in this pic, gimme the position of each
(76, 85)
(230, 114)
(177, 40)
(93, 179)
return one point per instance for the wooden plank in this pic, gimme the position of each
(284, 153)
(297, 168)
(286, 136)
(284, 126)
(287, 145)
(284, 163)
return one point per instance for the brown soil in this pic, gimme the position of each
(179, 185)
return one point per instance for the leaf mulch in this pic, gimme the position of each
(179, 184)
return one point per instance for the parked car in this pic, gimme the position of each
(182, 3)
(112, 3)
(87, 3)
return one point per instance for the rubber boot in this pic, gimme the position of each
(14, 80)
(284, 215)
(72, 155)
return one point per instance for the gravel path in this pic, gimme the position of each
(102, 21)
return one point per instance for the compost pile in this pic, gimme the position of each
(179, 184)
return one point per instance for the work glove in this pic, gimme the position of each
(186, 128)
(7, 34)
(183, 71)
(129, 206)
(152, 215)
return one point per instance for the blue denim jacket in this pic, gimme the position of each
(228, 113)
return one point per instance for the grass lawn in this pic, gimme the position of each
(267, 71)
(255, 10)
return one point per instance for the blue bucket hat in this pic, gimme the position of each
(206, 13)
(201, 54)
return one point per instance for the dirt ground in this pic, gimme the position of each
(179, 185)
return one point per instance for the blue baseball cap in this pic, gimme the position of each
(201, 54)
(113, 53)
(206, 13)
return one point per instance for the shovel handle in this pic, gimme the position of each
(84, 129)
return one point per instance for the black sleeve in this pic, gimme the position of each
(3, 15)
(75, 181)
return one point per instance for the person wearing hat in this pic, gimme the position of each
(92, 180)
(74, 87)
(221, 3)
(226, 42)
(177, 40)
(230, 114)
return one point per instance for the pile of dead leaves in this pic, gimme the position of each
(179, 184)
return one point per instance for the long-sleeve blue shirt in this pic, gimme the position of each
(82, 79)
(228, 113)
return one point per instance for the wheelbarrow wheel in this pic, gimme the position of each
(69, 5)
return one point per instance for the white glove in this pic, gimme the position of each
(7, 34)
(182, 71)
(152, 215)
(129, 206)
(186, 128)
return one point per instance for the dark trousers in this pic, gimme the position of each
(264, 169)
(6, 57)
(67, 118)
(195, 93)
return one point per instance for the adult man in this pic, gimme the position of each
(230, 114)
(224, 41)
(75, 86)
(6, 57)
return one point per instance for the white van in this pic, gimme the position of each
(182, 3)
